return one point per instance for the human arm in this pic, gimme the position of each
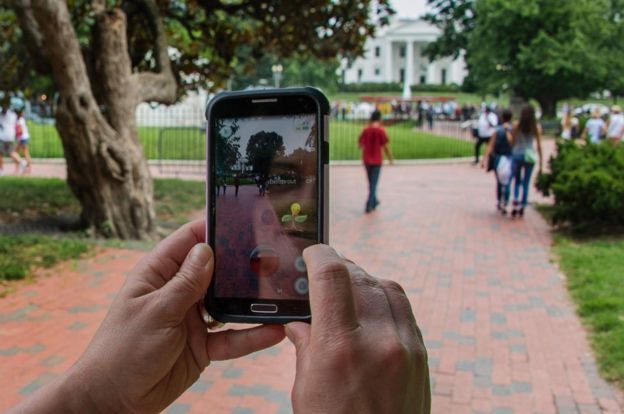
(388, 153)
(538, 138)
(363, 352)
(488, 150)
(153, 343)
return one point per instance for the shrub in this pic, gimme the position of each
(587, 182)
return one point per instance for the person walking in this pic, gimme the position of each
(486, 127)
(236, 184)
(595, 127)
(372, 141)
(23, 139)
(569, 124)
(8, 129)
(615, 128)
(525, 136)
(500, 162)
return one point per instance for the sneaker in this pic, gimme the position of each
(22, 166)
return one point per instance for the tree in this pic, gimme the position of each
(547, 50)
(227, 146)
(262, 149)
(107, 56)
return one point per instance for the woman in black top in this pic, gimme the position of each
(498, 147)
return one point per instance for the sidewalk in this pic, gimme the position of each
(500, 329)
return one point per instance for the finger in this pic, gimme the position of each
(232, 344)
(299, 334)
(155, 269)
(403, 316)
(331, 298)
(189, 285)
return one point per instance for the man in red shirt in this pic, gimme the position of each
(372, 141)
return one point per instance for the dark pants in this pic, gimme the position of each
(480, 141)
(372, 171)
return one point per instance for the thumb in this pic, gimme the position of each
(189, 284)
(299, 334)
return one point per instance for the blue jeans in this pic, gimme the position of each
(522, 171)
(372, 171)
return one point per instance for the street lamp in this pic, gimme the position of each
(277, 74)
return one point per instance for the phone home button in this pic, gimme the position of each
(263, 308)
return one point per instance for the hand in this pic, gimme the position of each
(153, 344)
(363, 352)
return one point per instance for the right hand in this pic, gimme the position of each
(363, 352)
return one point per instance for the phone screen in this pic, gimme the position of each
(266, 205)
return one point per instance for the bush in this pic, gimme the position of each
(587, 182)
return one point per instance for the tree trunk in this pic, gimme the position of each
(106, 167)
(549, 107)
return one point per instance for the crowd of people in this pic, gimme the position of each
(14, 138)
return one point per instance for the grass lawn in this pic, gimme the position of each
(19, 254)
(32, 198)
(595, 273)
(188, 143)
(404, 141)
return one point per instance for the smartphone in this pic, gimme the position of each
(266, 201)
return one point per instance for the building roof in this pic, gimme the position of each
(403, 28)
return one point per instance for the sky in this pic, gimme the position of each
(409, 8)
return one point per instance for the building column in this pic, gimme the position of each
(409, 69)
(388, 60)
(431, 72)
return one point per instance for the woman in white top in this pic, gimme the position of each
(595, 128)
(569, 124)
(23, 139)
(615, 129)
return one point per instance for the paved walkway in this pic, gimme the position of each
(500, 328)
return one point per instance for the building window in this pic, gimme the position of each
(377, 71)
(402, 75)
(377, 51)
(443, 77)
(423, 79)
(402, 51)
(359, 75)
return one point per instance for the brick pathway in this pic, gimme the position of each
(501, 331)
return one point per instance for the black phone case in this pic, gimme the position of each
(323, 121)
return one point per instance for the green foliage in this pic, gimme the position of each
(20, 254)
(542, 49)
(596, 283)
(547, 50)
(456, 20)
(212, 39)
(588, 184)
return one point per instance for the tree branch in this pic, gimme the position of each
(157, 86)
(32, 34)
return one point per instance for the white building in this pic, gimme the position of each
(396, 55)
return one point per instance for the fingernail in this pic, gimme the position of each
(200, 255)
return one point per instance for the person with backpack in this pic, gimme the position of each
(525, 135)
(497, 158)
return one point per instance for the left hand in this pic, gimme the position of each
(153, 344)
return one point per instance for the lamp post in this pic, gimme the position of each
(277, 74)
